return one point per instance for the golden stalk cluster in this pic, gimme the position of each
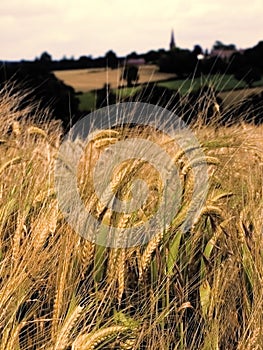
(199, 288)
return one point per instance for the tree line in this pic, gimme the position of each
(246, 65)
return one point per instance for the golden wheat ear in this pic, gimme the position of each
(37, 131)
(87, 250)
(92, 340)
(9, 163)
(16, 129)
(63, 334)
(145, 259)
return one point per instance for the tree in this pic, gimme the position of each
(166, 64)
(111, 59)
(84, 62)
(197, 50)
(218, 45)
(130, 74)
(133, 54)
(152, 56)
(249, 109)
(254, 56)
(213, 65)
(45, 57)
(180, 62)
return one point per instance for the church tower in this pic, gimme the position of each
(172, 42)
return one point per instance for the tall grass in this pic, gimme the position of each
(200, 289)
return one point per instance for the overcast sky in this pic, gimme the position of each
(85, 27)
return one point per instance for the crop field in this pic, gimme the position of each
(196, 284)
(91, 79)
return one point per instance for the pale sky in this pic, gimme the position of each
(86, 27)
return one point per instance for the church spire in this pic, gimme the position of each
(172, 42)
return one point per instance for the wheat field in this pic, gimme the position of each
(92, 79)
(199, 289)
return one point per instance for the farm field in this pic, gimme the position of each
(198, 288)
(92, 79)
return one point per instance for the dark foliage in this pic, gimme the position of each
(130, 74)
(181, 62)
(248, 74)
(111, 59)
(105, 97)
(44, 90)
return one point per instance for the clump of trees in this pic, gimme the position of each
(218, 45)
(246, 66)
(249, 65)
(180, 62)
(130, 73)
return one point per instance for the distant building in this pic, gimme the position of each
(225, 52)
(135, 61)
(172, 42)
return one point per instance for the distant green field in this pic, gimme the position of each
(220, 83)
(87, 101)
(126, 92)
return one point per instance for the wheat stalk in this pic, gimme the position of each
(146, 256)
(106, 133)
(18, 236)
(9, 163)
(112, 264)
(221, 196)
(87, 252)
(90, 341)
(199, 161)
(121, 273)
(102, 143)
(184, 152)
(16, 128)
(63, 335)
(12, 340)
(36, 130)
(44, 225)
(58, 304)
